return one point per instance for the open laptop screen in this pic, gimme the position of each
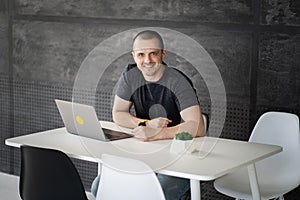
(82, 120)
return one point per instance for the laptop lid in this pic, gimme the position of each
(82, 120)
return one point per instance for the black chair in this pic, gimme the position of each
(48, 174)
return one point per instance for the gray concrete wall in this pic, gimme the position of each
(4, 43)
(255, 45)
(174, 10)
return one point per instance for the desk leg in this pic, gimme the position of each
(253, 182)
(195, 189)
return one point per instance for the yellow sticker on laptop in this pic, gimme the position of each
(79, 120)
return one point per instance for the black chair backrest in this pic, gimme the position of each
(48, 174)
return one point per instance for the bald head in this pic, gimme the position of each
(147, 40)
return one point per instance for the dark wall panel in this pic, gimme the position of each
(5, 109)
(55, 55)
(278, 73)
(54, 51)
(4, 44)
(5, 124)
(3, 6)
(231, 53)
(231, 11)
(285, 12)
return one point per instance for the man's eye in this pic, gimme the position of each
(154, 53)
(140, 54)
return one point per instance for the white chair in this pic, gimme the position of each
(124, 178)
(206, 121)
(278, 174)
(9, 185)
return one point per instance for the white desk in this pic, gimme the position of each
(225, 157)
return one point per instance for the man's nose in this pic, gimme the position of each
(147, 58)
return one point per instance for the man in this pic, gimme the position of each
(150, 83)
(164, 100)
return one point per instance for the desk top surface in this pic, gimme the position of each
(215, 158)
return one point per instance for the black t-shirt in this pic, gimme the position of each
(165, 98)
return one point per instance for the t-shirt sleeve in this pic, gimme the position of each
(185, 94)
(123, 88)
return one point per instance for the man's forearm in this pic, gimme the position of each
(149, 134)
(125, 119)
(192, 127)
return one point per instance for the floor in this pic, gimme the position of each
(9, 187)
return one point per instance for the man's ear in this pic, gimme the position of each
(133, 56)
(164, 53)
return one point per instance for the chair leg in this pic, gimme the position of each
(279, 198)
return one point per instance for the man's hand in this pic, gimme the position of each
(159, 122)
(145, 133)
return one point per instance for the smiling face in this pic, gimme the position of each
(148, 56)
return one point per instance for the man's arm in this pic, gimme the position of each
(193, 124)
(121, 114)
(123, 117)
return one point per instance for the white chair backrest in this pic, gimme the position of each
(124, 178)
(281, 129)
(205, 120)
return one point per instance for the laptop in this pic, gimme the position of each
(82, 120)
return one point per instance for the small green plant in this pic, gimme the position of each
(183, 136)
